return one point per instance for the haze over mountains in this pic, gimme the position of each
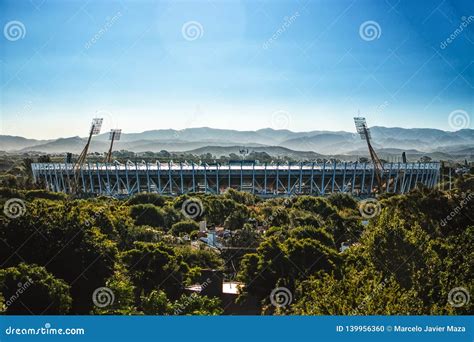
(275, 142)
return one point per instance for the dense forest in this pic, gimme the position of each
(408, 254)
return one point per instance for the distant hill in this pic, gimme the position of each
(275, 151)
(12, 143)
(324, 142)
(222, 141)
(61, 145)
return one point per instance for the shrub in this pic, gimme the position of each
(147, 215)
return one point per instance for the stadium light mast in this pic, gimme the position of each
(364, 132)
(244, 152)
(95, 129)
(114, 135)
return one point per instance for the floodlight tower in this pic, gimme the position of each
(364, 132)
(244, 152)
(95, 129)
(114, 135)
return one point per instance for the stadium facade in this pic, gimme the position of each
(268, 180)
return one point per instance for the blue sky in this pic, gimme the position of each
(298, 65)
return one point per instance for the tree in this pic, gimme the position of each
(171, 216)
(395, 250)
(242, 240)
(262, 270)
(199, 257)
(318, 234)
(147, 214)
(123, 292)
(55, 196)
(342, 201)
(240, 197)
(218, 209)
(197, 305)
(237, 218)
(64, 239)
(44, 158)
(184, 227)
(156, 303)
(315, 205)
(30, 289)
(155, 266)
(147, 198)
(307, 256)
(363, 292)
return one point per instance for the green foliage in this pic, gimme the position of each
(280, 262)
(237, 218)
(30, 289)
(218, 209)
(123, 292)
(3, 307)
(240, 197)
(130, 234)
(62, 237)
(9, 192)
(148, 215)
(316, 205)
(274, 215)
(171, 216)
(342, 201)
(54, 196)
(394, 249)
(365, 292)
(154, 266)
(156, 303)
(184, 227)
(199, 257)
(147, 198)
(308, 256)
(406, 260)
(319, 234)
(305, 218)
(197, 305)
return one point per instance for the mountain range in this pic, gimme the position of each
(389, 141)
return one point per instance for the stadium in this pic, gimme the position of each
(112, 178)
(115, 179)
